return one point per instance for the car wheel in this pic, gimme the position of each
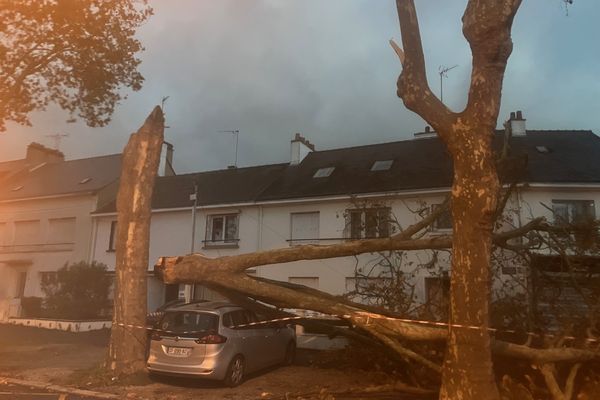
(290, 354)
(235, 372)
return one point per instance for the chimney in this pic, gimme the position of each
(38, 154)
(300, 148)
(517, 124)
(428, 133)
(166, 160)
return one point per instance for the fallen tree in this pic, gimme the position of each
(467, 371)
(227, 275)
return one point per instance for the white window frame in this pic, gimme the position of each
(222, 240)
(435, 227)
(570, 205)
(303, 280)
(36, 239)
(69, 240)
(112, 237)
(363, 223)
(324, 172)
(382, 165)
(301, 241)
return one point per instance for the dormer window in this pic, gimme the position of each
(84, 180)
(323, 172)
(542, 149)
(383, 165)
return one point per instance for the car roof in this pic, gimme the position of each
(217, 307)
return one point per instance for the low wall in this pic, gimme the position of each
(316, 341)
(61, 325)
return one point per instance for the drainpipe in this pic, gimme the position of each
(259, 233)
(189, 288)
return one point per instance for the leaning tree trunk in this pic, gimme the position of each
(140, 164)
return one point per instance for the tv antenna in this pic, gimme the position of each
(236, 134)
(58, 137)
(443, 72)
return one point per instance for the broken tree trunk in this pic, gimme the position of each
(139, 167)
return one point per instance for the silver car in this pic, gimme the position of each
(217, 340)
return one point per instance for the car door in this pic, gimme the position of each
(250, 343)
(269, 342)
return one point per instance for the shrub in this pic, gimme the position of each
(80, 291)
(32, 307)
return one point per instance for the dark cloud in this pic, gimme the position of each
(271, 68)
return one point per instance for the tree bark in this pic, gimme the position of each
(468, 369)
(140, 165)
(467, 372)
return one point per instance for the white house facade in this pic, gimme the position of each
(325, 197)
(45, 219)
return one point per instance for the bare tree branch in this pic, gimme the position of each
(413, 88)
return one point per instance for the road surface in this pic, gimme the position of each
(18, 392)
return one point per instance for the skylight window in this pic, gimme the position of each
(84, 180)
(323, 172)
(542, 149)
(383, 165)
(37, 167)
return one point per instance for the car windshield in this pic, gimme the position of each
(189, 321)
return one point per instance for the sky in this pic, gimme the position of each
(271, 68)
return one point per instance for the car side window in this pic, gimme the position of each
(250, 316)
(236, 318)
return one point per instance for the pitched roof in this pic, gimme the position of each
(572, 157)
(8, 168)
(418, 164)
(552, 157)
(228, 186)
(64, 177)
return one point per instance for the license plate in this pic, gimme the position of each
(179, 351)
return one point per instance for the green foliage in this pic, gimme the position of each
(75, 53)
(80, 291)
(32, 307)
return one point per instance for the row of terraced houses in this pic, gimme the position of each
(55, 211)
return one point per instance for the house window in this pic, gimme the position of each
(444, 221)
(368, 223)
(113, 236)
(437, 294)
(21, 282)
(369, 289)
(308, 281)
(573, 211)
(27, 232)
(222, 229)
(382, 165)
(61, 231)
(304, 228)
(323, 172)
(48, 277)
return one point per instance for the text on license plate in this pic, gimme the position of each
(179, 351)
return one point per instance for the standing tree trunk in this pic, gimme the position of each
(467, 372)
(140, 165)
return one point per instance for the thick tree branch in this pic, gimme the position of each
(543, 356)
(487, 27)
(413, 88)
(281, 294)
